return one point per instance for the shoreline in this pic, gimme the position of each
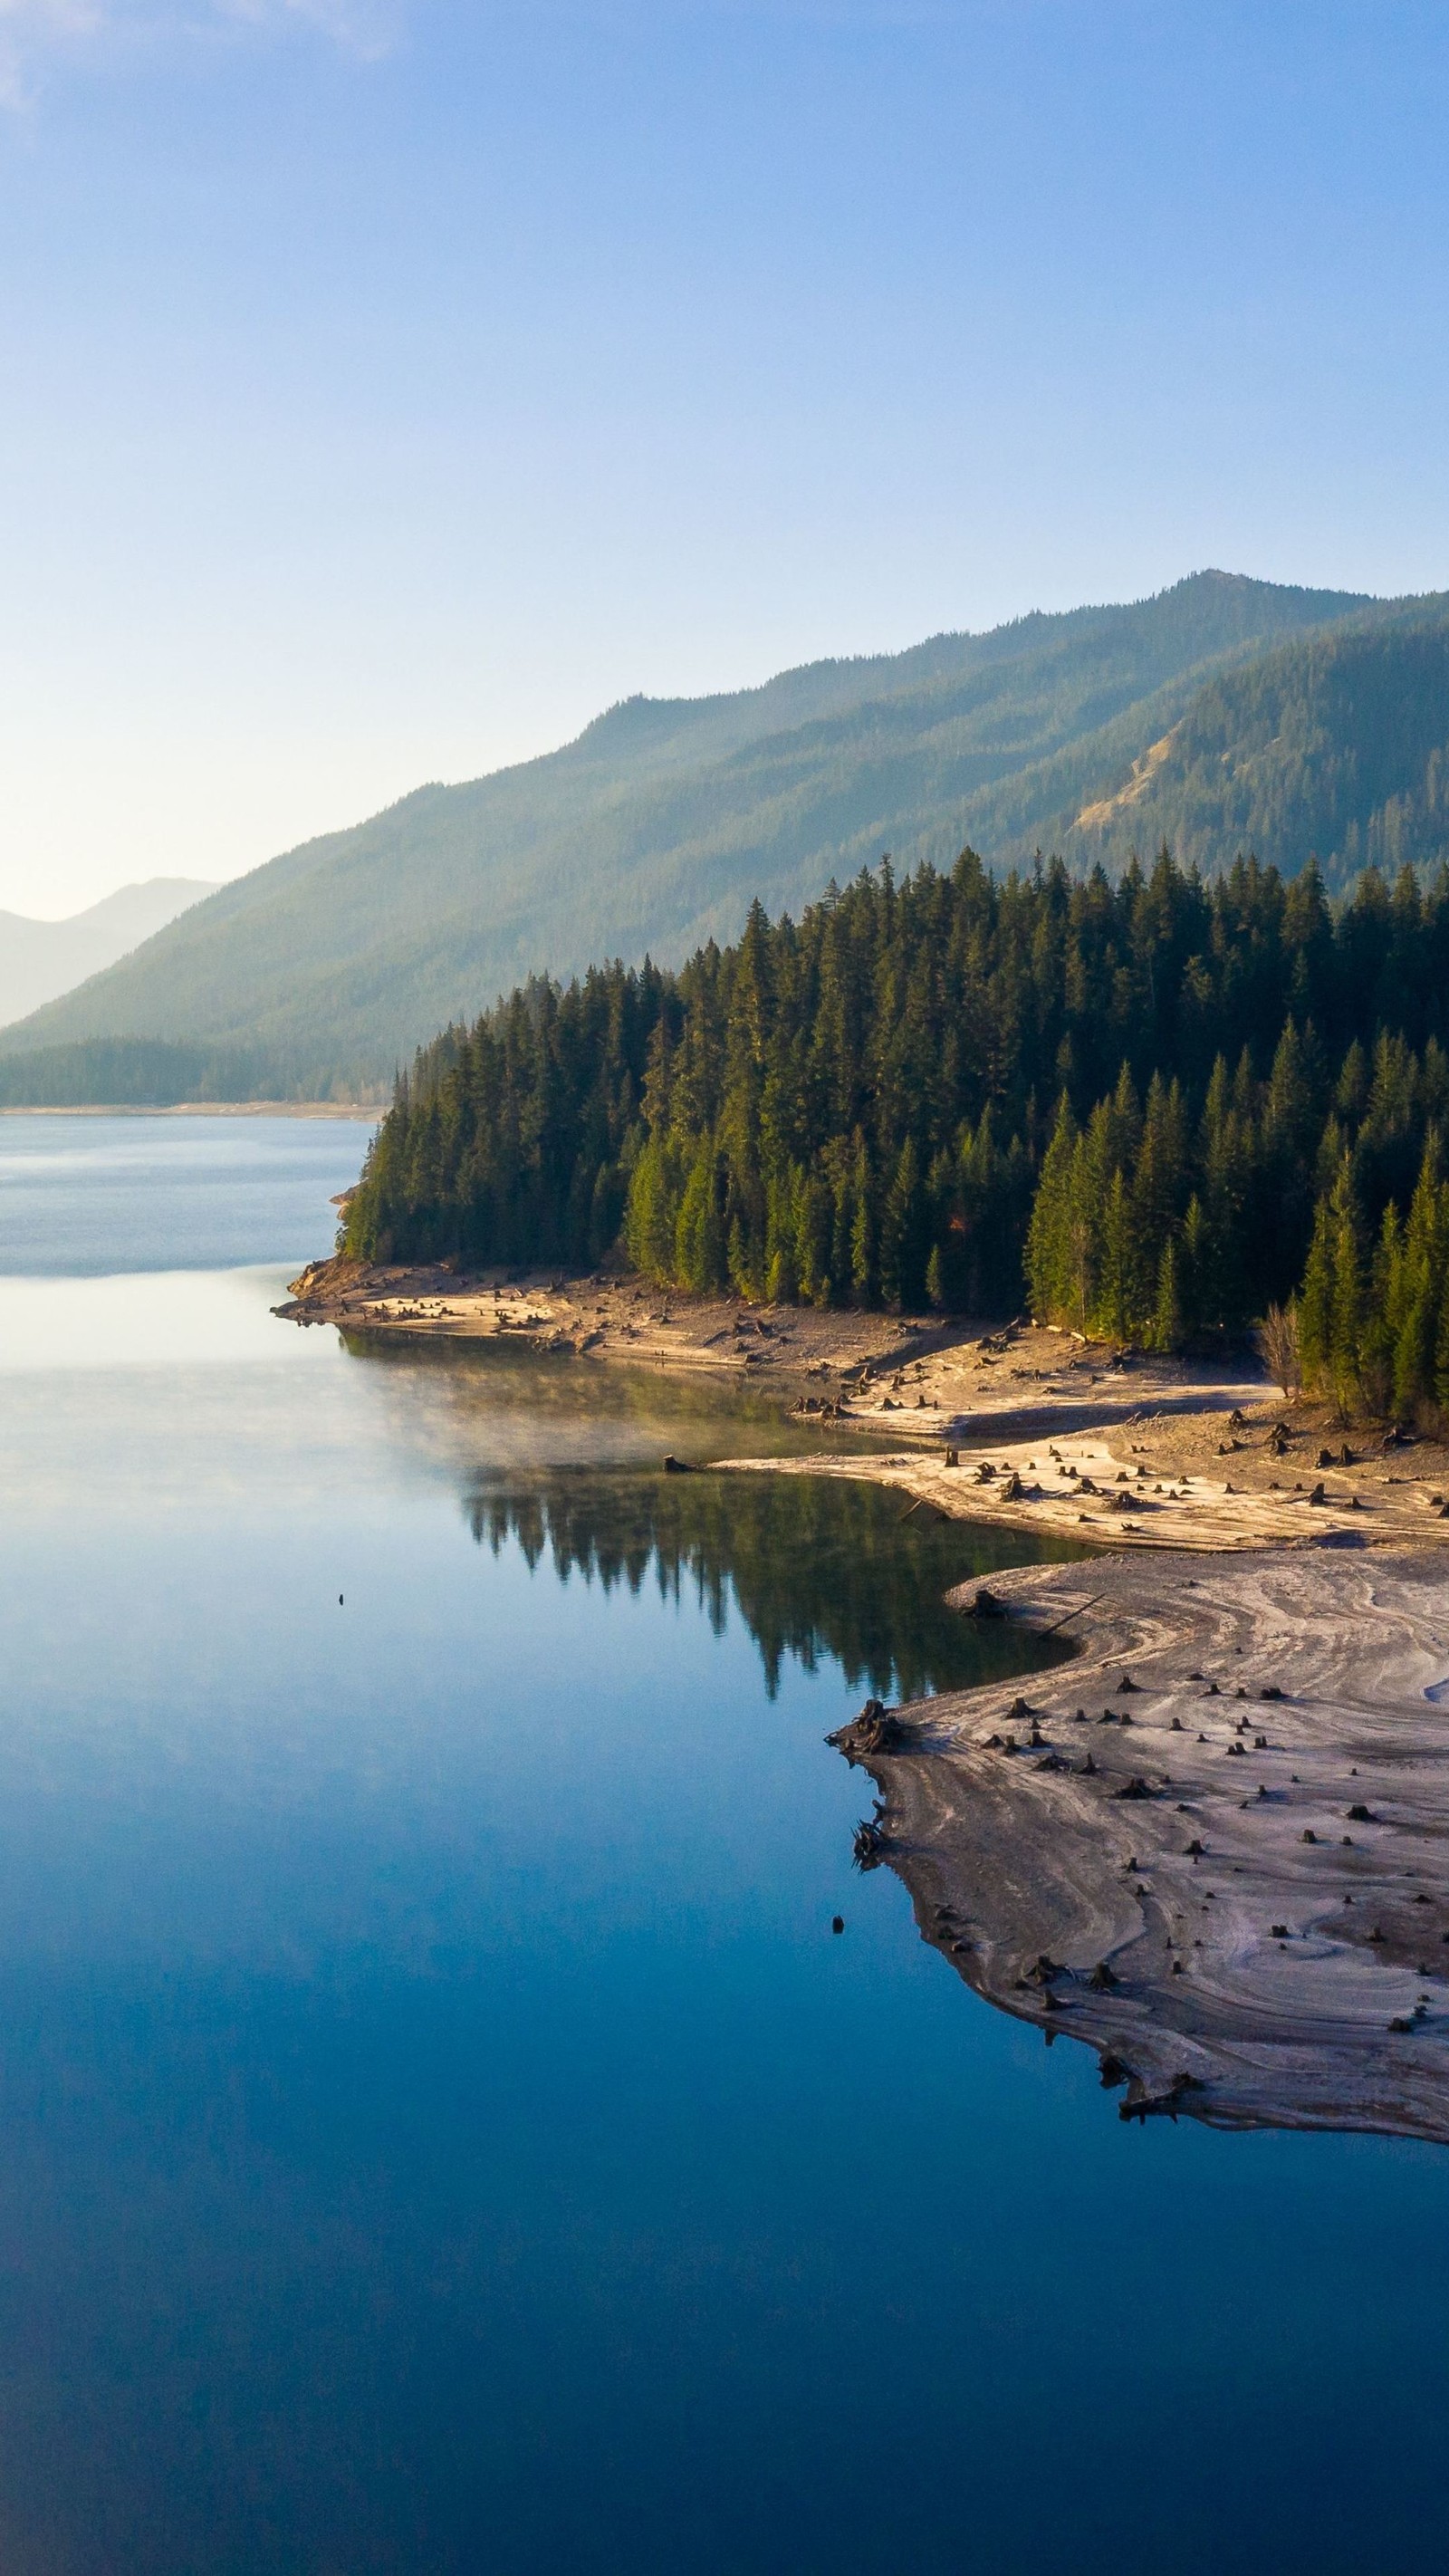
(1214, 1847)
(194, 1109)
(1152, 1852)
(1012, 1424)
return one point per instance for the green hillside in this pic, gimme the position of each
(1334, 748)
(656, 828)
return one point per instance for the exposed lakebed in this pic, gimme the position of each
(438, 2127)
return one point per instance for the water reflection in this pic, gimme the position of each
(438, 2127)
(563, 1457)
(819, 1568)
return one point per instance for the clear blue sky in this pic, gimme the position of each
(388, 385)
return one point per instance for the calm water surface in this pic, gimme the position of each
(437, 2128)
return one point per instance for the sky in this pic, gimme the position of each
(388, 386)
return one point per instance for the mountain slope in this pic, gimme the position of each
(1334, 748)
(41, 959)
(655, 828)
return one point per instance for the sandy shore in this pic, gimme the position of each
(1128, 1486)
(792, 1351)
(1022, 1426)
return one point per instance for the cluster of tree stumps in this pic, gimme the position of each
(1231, 1876)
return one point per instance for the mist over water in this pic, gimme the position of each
(438, 2128)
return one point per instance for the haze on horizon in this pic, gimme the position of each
(393, 387)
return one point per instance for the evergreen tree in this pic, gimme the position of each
(1050, 1267)
(1119, 1304)
(1167, 1321)
(1316, 1304)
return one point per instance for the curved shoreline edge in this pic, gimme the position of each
(1215, 1847)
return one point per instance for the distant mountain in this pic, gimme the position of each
(655, 828)
(40, 959)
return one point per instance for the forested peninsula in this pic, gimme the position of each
(1152, 1109)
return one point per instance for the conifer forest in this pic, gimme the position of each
(1151, 1109)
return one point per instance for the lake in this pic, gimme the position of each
(439, 2130)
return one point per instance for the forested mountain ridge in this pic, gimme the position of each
(654, 830)
(1335, 748)
(1134, 1100)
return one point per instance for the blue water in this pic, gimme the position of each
(438, 2130)
(108, 1194)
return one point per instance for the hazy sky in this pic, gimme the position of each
(389, 385)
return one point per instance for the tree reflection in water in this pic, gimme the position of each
(818, 1567)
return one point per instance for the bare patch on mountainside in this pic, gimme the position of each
(1095, 817)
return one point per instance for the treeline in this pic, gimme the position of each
(140, 1073)
(514, 1141)
(153, 1073)
(1125, 1098)
(1154, 1222)
(1373, 1316)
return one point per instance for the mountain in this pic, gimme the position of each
(1335, 748)
(656, 827)
(40, 959)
